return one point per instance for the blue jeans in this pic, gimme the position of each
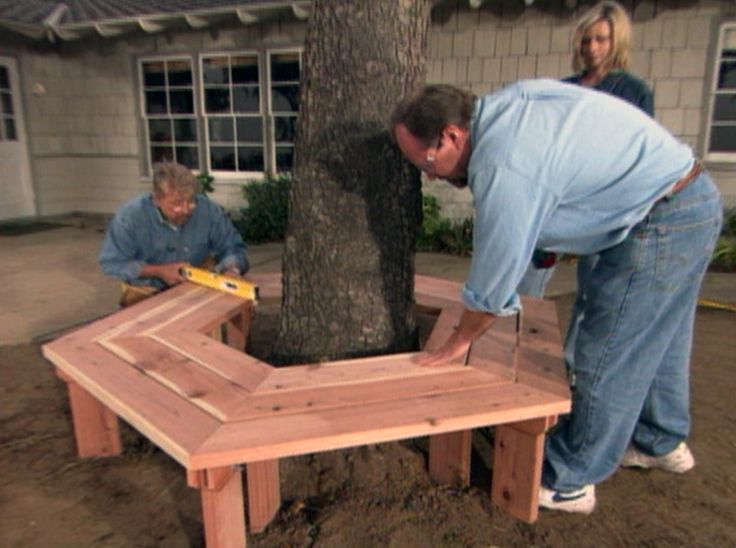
(632, 348)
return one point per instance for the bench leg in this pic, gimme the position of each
(222, 506)
(96, 428)
(263, 493)
(449, 458)
(517, 467)
(237, 329)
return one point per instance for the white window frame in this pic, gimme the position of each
(206, 116)
(266, 112)
(271, 114)
(146, 117)
(726, 157)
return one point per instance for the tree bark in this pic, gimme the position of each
(355, 204)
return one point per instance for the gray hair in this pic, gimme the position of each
(172, 176)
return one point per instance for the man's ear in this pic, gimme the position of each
(454, 134)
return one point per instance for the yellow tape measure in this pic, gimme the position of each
(222, 282)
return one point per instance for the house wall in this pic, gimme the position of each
(487, 48)
(85, 130)
(83, 112)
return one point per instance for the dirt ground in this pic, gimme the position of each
(371, 496)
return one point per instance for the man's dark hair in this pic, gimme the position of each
(427, 111)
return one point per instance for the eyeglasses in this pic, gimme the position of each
(177, 204)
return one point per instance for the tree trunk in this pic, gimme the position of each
(355, 205)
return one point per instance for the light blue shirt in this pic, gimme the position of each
(562, 168)
(139, 234)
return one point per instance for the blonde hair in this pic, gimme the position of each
(620, 23)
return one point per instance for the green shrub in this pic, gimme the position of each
(440, 234)
(205, 182)
(264, 218)
(724, 255)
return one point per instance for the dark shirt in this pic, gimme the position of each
(623, 85)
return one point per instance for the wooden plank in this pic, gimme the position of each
(182, 303)
(204, 315)
(449, 458)
(517, 471)
(224, 515)
(348, 372)
(161, 415)
(329, 397)
(276, 437)
(263, 493)
(237, 367)
(495, 351)
(269, 284)
(96, 428)
(196, 384)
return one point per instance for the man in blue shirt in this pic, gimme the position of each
(569, 170)
(151, 237)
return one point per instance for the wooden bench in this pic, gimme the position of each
(217, 410)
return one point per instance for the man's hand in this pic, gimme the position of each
(168, 272)
(451, 351)
(471, 326)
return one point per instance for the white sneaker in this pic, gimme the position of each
(581, 501)
(678, 461)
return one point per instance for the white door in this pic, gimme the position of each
(16, 190)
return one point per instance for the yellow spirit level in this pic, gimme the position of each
(229, 284)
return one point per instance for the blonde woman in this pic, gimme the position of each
(601, 45)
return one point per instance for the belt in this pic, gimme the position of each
(696, 170)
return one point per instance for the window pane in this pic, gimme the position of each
(217, 100)
(284, 128)
(154, 73)
(4, 78)
(246, 99)
(285, 67)
(250, 129)
(729, 39)
(724, 108)
(221, 129)
(185, 129)
(216, 70)
(285, 98)
(222, 158)
(159, 130)
(156, 102)
(182, 101)
(284, 158)
(162, 154)
(727, 75)
(250, 159)
(10, 134)
(7, 103)
(723, 139)
(180, 73)
(188, 156)
(245, 70)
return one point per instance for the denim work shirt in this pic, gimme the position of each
(562, 168)
(139, 234)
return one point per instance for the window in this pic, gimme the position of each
(245, 105)
(284, 105)
(721, 131)
(7, 115)
(168, 109)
